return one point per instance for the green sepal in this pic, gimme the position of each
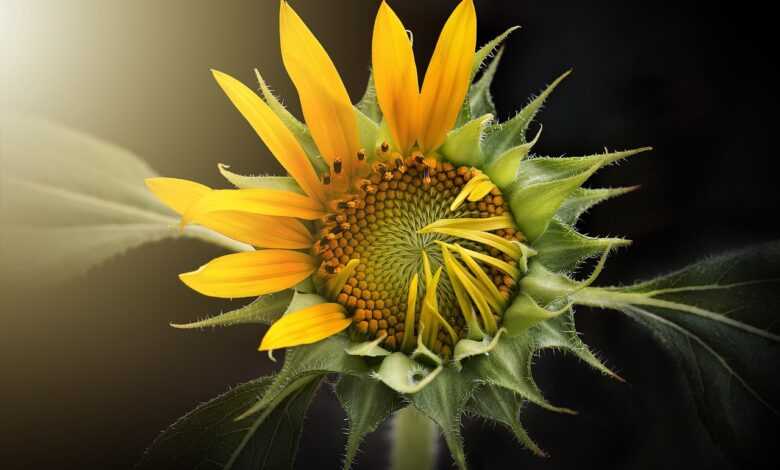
(560, 333)
(582, 199)
(509, 366)
(466, 348)
(279, 183)
(367, 403)
(546, 286)
(562, 249)
(298, 129)
(512, 132)
(405, 375)
(502, 169)
(265, 310)
(313, 360)
(525, 313)
(368, 104)
(368, 348)
(480, 100)
(463, 145)
(210, 436)
(444, 401)
(368, 132)
(502, 406)
(533, 206)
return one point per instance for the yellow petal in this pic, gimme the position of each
(258, 230)
(498, 222)
(395, 77)
(256, 201)
(251, 273)
(511, 248)
(448, 76)
(326, 105)
(279, 140)
(176, 193)
(306, 326)
(407, 343)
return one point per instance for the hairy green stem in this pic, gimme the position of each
(415, 441)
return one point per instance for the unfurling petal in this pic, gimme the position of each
(276, 136)
(326, 105)
(395, 77)
(261, 231)
(251, 273)
(306, 326)
(178, 194)
(255, 201)
(448, 75)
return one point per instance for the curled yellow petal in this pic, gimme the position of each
(251, 273)
(511, 248)
(276, 136)
(498, 222)
(306, 326)
(448, 75)
(326, 106)
(395, 77)
(256, 201)
(178, 194)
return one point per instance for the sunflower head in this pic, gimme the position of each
(413, 235)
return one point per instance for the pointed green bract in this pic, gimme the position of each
(368, 403)
(280, 183)
(512, 132)
(444, 401)
(368, 104)
(405, 375)
(368, 132)
(301, 300)
(265, 310)
(298, 129)
(462, 146)
(502, 406)
(562, 249)
(561, 333)
(479, 99)
(488, 49)
(302, 363)
(582, 199)
(534, 205)
(503, 168)
(509, 366)
(524, 313)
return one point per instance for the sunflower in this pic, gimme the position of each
(413, 235)
(403, 243)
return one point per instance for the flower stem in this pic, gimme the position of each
(415, 441)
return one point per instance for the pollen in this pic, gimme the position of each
(382, 228)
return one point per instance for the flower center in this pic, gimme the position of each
(375, 241)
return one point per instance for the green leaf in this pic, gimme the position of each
(512, 132)
(368, 403)
(298, 129)
(480, 101)
(75, 201)
(280, 183)
(562, 249)
(509, 366)
(265, 310)
(718, 320)
(210, 437)
(368, 104)
(444, 401)
(502, 406)
(311, 360)
(582, 199)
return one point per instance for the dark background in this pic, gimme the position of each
(91, 370)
